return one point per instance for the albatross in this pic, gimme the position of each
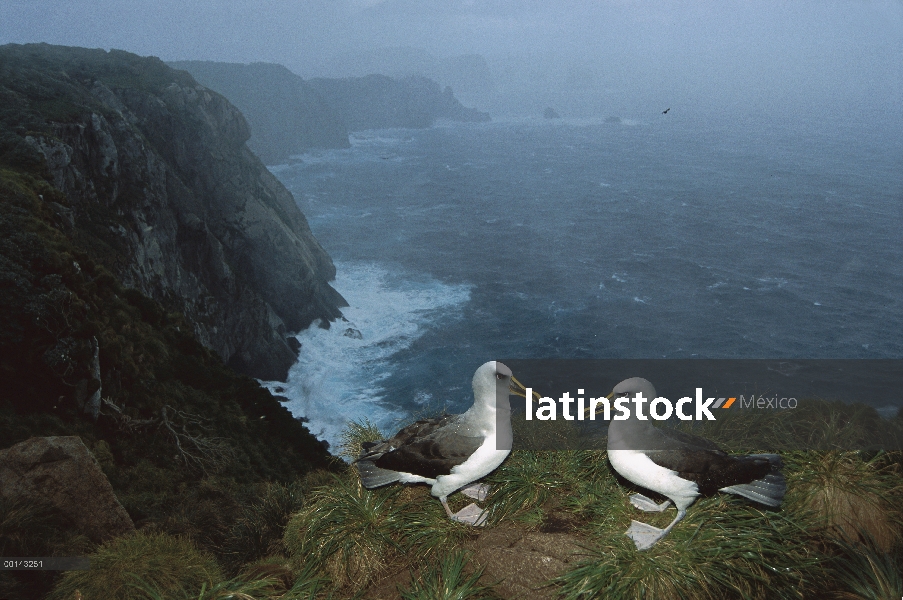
(451, 451)
(681, 466)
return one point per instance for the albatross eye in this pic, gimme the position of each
(499, 376)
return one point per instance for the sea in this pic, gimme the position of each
(660, 236)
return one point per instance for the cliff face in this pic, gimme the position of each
(287, 115)
(155, 167)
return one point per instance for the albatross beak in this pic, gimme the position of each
(518, 389)
(610, 396)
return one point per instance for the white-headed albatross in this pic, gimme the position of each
(451, 451)
(681, 466)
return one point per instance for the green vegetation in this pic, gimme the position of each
(34, 529)
(839, 534)
(448, 581)
(866, 573)
(815, 425)
(167, 562)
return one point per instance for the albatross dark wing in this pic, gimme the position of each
(418, 429)
(432, 455)
(429, 448)
(712, 470)
(701, 461)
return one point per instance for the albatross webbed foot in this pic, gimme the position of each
(471, 515)
(477, 491)
(643, 535)
(646, 536)
(647, 504)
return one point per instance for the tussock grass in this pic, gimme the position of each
(346, 531)
(814, 425)
(841, 509)
(724, 548)
(847, 497)
(354, 535)
(283, 582)
(356, 434)
(529, 483)
(225, 590)
(528, 480)
(276, 568)
(29, 528)
(866, 573)
(169, 564)
(259, 531)
(448, 580)
(426, 531)
(306, 587)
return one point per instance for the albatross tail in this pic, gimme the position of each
(373, 477)
(768, 490)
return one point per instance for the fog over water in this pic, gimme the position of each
(584, 58)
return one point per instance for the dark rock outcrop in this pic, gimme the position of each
(469, 75)
(287, 116)
(156, 166)
(378, 102)
(61, 471)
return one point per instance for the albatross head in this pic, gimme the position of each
(630, 387)
(628, 434)
(491, 385)
(493, 382)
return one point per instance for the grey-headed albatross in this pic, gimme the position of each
(451, 451)
(681, 466)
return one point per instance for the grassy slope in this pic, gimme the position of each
(839, 534)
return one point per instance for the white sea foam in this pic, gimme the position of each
(889, 411)
(338, 377)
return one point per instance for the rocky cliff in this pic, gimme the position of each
(378, 101)
(155, 167)
(134, 225)
(287, 115)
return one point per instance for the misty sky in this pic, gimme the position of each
(800, 54)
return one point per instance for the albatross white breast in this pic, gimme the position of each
(451, 451)
(681, 466)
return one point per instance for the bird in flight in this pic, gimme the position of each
(665, 112)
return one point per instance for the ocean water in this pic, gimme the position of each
(668, 237)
